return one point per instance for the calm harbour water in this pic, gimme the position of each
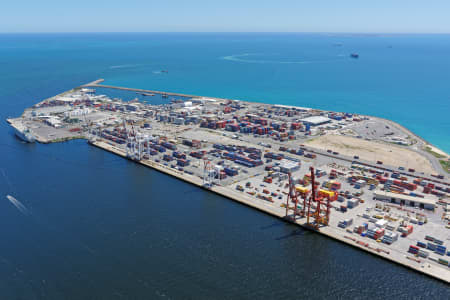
(100, 227)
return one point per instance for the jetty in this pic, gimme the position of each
(97, 83)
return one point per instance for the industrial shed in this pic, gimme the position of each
(405, 199)
(287, 166)
(315, 120)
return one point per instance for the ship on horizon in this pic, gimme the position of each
(354, 55)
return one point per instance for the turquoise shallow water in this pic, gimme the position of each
(400, 77)
(100, 227)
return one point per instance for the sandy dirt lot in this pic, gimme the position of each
(373, 151)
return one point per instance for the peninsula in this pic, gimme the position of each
(362, 180)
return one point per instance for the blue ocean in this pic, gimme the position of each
(95, 226)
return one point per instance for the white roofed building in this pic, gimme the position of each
(316, 120)
(405, 200)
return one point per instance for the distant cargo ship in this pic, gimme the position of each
(354, 55)
(24, 134)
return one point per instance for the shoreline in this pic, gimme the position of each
(98, 83)
(279, 213)
(413, 134)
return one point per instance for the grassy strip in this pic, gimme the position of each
(437, 155)
(445, 165)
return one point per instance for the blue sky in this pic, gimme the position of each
(411, 16)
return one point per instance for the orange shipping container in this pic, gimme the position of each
(268, 179)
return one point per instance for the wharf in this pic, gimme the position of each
(14, 124)
(45, 139)
(107, 121)
(372, 248)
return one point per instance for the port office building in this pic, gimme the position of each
(405, 200)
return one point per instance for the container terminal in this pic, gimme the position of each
(365, 181)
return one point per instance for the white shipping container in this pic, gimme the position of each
(423, 253)
(352, 203)
(381, 223)
(390, 226)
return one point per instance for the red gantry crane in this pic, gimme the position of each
(294, 195)
(316, 205)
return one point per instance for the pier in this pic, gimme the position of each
(97, 83)
(372, 248)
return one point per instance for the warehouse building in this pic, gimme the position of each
(297, 108)
(425, 203)
(315, 120)
(287, 166)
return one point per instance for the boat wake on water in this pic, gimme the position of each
(241, 58)
(125, 66)
(18, 205)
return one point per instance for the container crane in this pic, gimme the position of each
(294, 196)
(321, 213)
(208, 173)
(322, 204)
(88, 125)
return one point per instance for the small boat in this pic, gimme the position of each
(354, 55)
(164, 71)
